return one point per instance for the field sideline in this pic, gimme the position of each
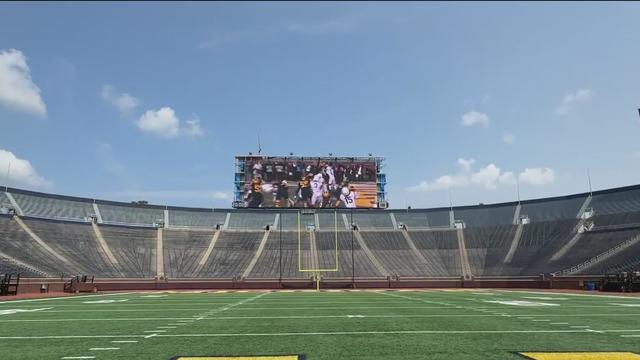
(335, 325)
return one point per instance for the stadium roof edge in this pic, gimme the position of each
(156, 206)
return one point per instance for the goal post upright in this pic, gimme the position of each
(317, 270)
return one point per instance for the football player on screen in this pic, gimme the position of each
(255, 197)
(282, 195)
(304, 190)
(348, 197)
(318, 186)
(326, 199)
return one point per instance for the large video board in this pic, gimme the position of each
(307, 182)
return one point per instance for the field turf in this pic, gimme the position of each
(340, 325)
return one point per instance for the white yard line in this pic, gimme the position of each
(523, 317)
(390, 332)
(594, 295)
(9, 302)
(77, 357)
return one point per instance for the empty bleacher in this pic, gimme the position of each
(130, 215)
(618, 201)
(16, 243)
(50, 207)
(486, 215)
(183, 250)
(251, 220)
(487, 247)
(77, 243)
(553, 209)
(5, 204)
(440, 249)
(372, 220)
(231, 254)
(129, 230)
(281, 246)
(193, 218)
(392, 250)
(539, 242)
(423, 218)
(134, 248)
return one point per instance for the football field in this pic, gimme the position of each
(331, 325)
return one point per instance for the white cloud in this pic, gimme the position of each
(537, 176)
(17, 89)
(442, 183)
(165, 124)
(192, 128)
(508, 138)
(507, 178)
(466, 164)
(162, 123)
(489, 177)
(637, 154)
(124, 102)
(19, 172)
(475, 118)
(571, 100)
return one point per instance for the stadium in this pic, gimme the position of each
(218, 274)
(319, 181)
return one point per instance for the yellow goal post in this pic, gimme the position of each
(317, 270)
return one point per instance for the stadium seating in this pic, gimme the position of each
(183, 250)
(130, 215)
(393, 251)
(196, 218)
(487, 247)
(440, 249)
(231, 254)
(134, 248)
(5, 204)
(54, 237)
(268, 264)
(251, 220)
(53, 207)
(420, 219)
(77, 243)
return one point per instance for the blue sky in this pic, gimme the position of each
(151, 101)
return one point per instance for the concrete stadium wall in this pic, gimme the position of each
(34, 285)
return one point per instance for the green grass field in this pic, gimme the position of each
(443, 325)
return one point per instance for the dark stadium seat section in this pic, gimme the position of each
(5, 204)
(54, 237)
(268, 264)
(395, 254)
(423, 218)
(251, 220)
(440, 249)
(134, 248)
(183, 249)
(486, 215)
(231, 254)
(77, 243)
(553, 209)
(193, 218)
(53, 207)
(487, 247)
(130, 215)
